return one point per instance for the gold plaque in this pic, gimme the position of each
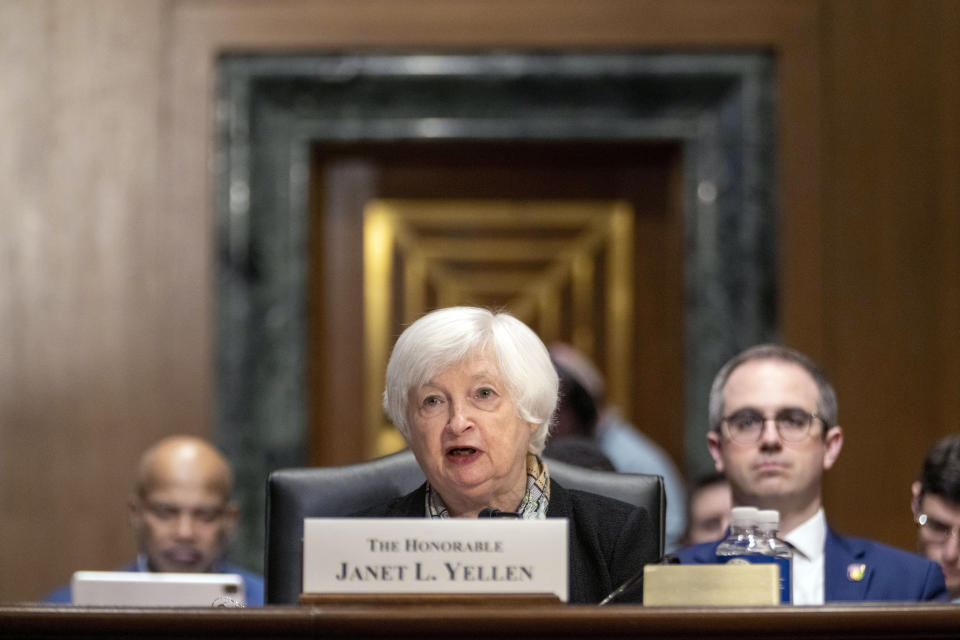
(711, 584)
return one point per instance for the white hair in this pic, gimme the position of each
(445, 337)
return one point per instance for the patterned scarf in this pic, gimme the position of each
(532, 507)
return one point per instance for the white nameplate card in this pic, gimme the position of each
(417, 555)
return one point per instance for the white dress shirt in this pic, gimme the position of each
(808, 541)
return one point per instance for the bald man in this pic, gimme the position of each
(182, 513)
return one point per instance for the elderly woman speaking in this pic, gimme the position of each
(473, 393)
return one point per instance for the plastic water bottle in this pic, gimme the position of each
(770, 544)
(749, 541)
(742, 540)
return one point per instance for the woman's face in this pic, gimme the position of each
(468, 437)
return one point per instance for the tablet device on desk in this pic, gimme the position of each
(131, 589)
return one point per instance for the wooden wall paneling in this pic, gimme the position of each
(89, 379)
(202, 30)
(883, 256)
(112, 108)
(110, 302)
(801, 225)
(106, 208)
(659, 312)
(326, 24)
(23, 298)
(948, 220)
(337, 431)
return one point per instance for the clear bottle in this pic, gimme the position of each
(770, 544)
(749, 542)
(741, 541)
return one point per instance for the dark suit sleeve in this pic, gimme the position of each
(633, 550)
(934, 586)
(610, 542)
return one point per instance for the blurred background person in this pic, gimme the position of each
(579, 451)
(182, 514)
(936, 510)
(473, 394)
(627, 448)
(573, 436)
(709, 502)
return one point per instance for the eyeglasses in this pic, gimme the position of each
(935, 531)
(746, 425)
(169, 512)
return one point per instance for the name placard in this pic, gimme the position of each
(711, 584)
(417, 555)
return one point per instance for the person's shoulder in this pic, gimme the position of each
(702, 553)
(243, 573)
(898, 574)
(632, 451)
(891, 556)
(61, 595)
(64, 594)
(411, 505)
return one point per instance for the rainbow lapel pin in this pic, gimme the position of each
(855, 572)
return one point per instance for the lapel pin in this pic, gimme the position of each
(855, 572)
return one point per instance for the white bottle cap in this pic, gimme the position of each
(768, 517)
(743, 516)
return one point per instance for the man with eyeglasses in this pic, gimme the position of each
(774, 431)
(936, 510)
(182, 514)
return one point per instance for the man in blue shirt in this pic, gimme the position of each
(182, 514)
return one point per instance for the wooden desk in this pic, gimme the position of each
(879, 620)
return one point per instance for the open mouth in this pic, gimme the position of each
(461, 452)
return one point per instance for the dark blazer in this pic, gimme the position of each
(610, 541)
(888, 574)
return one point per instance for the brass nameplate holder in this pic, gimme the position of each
(711, 584)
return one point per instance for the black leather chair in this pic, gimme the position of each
(295, 494)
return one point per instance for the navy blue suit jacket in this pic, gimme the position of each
(252, 585)
(888, 574)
